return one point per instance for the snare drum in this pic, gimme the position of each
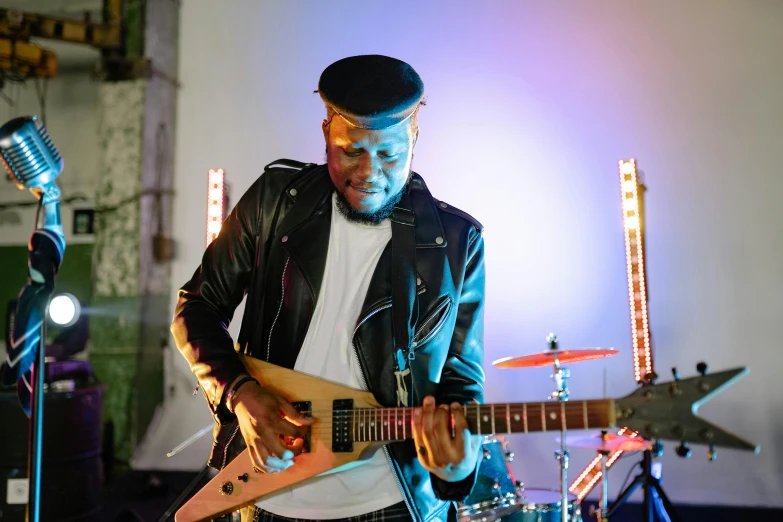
(543, 505)
(495, 493)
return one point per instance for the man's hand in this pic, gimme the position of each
(271, 427)
(450, 458)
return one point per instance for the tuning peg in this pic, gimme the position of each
(712, 454)
(650, 378)
(510, 456)
(657, 448)
(551, 340)
(683, 450)
(676, 374)
(702, 368)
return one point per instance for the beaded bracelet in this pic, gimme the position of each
(234, 388)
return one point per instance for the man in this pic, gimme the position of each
(315, 248)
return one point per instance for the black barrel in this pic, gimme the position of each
(72, 474)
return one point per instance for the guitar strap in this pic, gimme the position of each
(405, 304)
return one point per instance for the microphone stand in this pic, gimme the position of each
(29, 156)
(41, 252)
(35, 454)
(45, 252)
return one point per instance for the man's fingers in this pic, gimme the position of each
(258, 454)
(276, 447)
(289, 413)
(459, 427)
(449, 451)
(286, 428)
(296, 445)
(430, 441)
(418, 438)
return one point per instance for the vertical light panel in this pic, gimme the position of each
(215, 207)
(633, 224)
(634, 257)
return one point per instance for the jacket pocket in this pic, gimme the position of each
(432, 322)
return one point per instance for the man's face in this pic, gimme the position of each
(369, 168)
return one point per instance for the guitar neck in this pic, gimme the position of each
(393, 424)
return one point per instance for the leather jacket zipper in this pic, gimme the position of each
(279, 308)
(381, 305)
(435, 329)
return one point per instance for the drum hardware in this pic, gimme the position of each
(556, 357)
(605, 443)
(544, 505)
(496, 493)
(601, 513)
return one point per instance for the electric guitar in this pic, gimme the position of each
(351, 425)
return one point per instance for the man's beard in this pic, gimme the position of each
(368, 218)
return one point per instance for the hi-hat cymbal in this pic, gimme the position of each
(547, 358)
(606, 442)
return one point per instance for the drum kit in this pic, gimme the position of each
(498, 495)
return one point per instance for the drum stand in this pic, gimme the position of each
(603, 509)
(653, 491)
(560, 377)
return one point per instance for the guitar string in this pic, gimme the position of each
(574, 408)
(499, 407)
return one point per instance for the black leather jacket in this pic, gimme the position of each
(273, 248)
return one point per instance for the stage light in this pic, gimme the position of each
(634, 254)
(215, 203)
(64, 310)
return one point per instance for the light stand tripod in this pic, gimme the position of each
(653, 491)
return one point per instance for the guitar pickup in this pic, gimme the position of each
(306, 409)
(342, 415)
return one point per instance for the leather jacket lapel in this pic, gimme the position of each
(306, 241)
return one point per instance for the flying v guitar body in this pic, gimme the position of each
(227, 492)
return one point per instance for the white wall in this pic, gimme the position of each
(531, 104)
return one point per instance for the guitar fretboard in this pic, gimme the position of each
(392, 424)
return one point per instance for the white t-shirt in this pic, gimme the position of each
(328, 352)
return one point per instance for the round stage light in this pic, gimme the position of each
(64, 310)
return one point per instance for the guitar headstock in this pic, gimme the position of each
(668, 410)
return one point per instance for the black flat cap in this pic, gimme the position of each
(371, 91)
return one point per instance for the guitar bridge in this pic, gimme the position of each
(342, 414)
(305, 408)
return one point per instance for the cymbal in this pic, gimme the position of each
(547, 358)
(607, 442)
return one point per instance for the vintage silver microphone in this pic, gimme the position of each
(32, 160)
(29, 156)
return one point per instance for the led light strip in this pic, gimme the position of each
(592, 473)
(215, 208)
(633, 222)
(634, 258)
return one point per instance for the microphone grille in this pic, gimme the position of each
(28, 153)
